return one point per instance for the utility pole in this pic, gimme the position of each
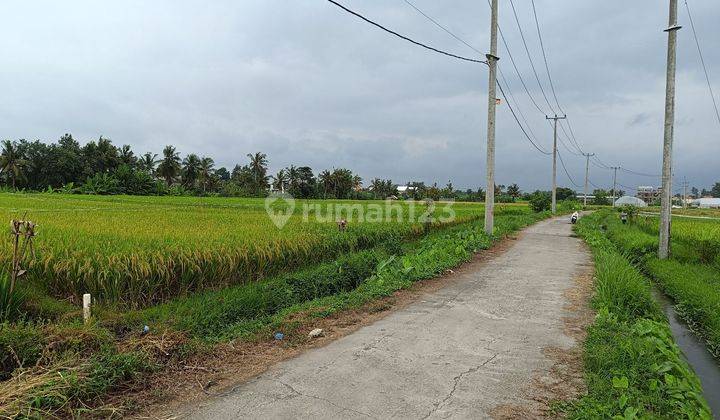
(554, 175)
(587, 171)
(685, 196)
(666, 197)
(614, 168)
(492, 60)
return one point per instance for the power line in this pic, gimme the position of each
(593, 184)
(627, 188)
(442, 27)
(702, 61)
(502, 91)
(568, 148)
(639, 173)
(562, 163)
(527, 51)
(603, 164)
(520, 125)
(404, 37)
(517, 71)
(552, 85)
(542, 47)
(522, 115)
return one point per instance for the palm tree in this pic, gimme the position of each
(127, 156)
(169, 167)
(205, 174)
(280, 180)
(11, 161)
(325, 178)
(293, 176)
(148, 161)
(357, 182)
(258, 168)
(191, 170)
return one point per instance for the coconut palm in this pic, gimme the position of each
(11, 161)
(148, 161)
(206, 172)
(169, 167)
(280, 179)
(258, 168)
(127, 156)
(191, 170)
(325, 178)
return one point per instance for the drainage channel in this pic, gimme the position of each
(697, 355)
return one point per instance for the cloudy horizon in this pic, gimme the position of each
(310, 85)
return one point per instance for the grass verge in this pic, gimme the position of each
(633, 368)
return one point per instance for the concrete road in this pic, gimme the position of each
(477, 348)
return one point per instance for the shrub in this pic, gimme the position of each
(540, 201)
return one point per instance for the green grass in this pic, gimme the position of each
(691, 277)
(694, 289)
(633, 368)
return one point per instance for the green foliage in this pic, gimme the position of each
(601, 198)
(349, 281)
(694, 288)
(633, 368)
(21, 345)
(10, 301)
(568, 206)
(540, 201)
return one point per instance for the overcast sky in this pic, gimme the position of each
(308, 84)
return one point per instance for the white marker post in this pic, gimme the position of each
(86, 307)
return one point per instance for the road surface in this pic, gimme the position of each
(495, 342)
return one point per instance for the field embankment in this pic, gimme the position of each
(633, 367)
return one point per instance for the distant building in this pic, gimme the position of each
(648, 194)
(631, 201)
(405, 189)
(706, 203)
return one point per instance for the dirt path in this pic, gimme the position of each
(501, 340)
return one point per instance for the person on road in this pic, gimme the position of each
(574, 217)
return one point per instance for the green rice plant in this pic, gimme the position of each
(11, 301)
(137, 251)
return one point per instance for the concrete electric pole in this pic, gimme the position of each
(554, 174)
(587, 172)
(614, 168)
(666, 193)
(492, 60)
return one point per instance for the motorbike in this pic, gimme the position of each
(573, 219)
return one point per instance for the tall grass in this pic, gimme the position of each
(633, 368)
(10, 301)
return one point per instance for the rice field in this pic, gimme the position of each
(136, 251)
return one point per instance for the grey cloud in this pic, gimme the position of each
(308, 84)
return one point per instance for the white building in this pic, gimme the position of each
(706, 203)
(405, 189)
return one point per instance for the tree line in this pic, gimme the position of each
(100, 167)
